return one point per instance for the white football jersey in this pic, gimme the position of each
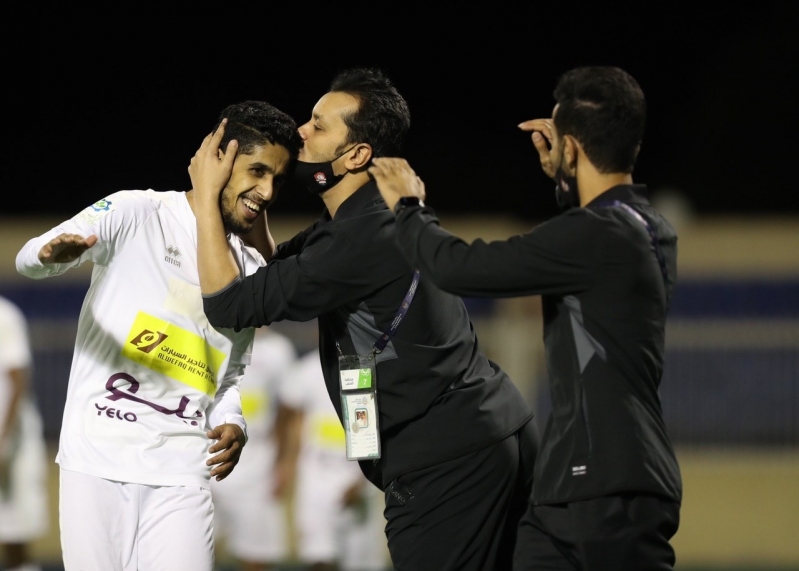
(272, 355)
(149, 374)
(323, 442)
(15, 353)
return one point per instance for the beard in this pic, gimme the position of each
(231, 223)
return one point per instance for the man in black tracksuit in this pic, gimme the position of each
(457, 445)
(607, 486)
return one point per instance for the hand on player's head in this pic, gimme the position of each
(209, 168)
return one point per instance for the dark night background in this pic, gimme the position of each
(102, 101)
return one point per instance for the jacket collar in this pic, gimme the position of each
(627, 193)
(365, 199)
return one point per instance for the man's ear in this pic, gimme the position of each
(359, 156)
(571, 149)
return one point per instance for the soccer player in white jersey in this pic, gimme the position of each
(153, 409)
(250, 505)
(23, 453)
(338, 512)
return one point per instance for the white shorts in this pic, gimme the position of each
(24, 512)
(327, 532)
(252, 522)
(118, 526)
(363, 543)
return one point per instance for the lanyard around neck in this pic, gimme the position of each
(383, 340)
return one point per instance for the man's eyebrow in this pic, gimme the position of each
(260, 165)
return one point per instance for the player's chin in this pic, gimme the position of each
(238, 226)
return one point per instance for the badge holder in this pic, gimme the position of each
(358, 376)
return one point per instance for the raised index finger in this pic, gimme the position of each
(544, 126)
(212, 140)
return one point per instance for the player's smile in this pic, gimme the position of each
(250, 210)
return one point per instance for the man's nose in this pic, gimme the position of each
(265, 189)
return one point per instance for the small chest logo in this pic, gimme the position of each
(172, 255)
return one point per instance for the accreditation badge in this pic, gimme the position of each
(358, 377)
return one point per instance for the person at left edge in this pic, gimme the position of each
(457, 439)
(24, 494)
(153, 409)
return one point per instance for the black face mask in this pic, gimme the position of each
(566, 188)
(317, 178)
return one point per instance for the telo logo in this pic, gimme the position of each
(111, 412)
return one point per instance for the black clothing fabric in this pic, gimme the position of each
(605, 302)
(439, 396)
(627, 531)
(462, 514)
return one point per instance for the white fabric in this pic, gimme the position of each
(132, 527)
(15, 350)
(149, 374)
(251, 520)
(23, 501)
(326, 531)
(24, 514)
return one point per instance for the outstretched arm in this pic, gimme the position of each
(65, 248)
(54, 252)
(548, 259)
(209, 173)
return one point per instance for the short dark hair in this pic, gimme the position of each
(605, 110)
(253, 123)
(382, 119)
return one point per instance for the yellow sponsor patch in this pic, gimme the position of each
(327, 432)
(175, 352)
(253, 404)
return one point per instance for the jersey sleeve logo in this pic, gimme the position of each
(96, 211)
(101, 206)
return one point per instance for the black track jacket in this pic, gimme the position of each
(605, 302)
(438, 395)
